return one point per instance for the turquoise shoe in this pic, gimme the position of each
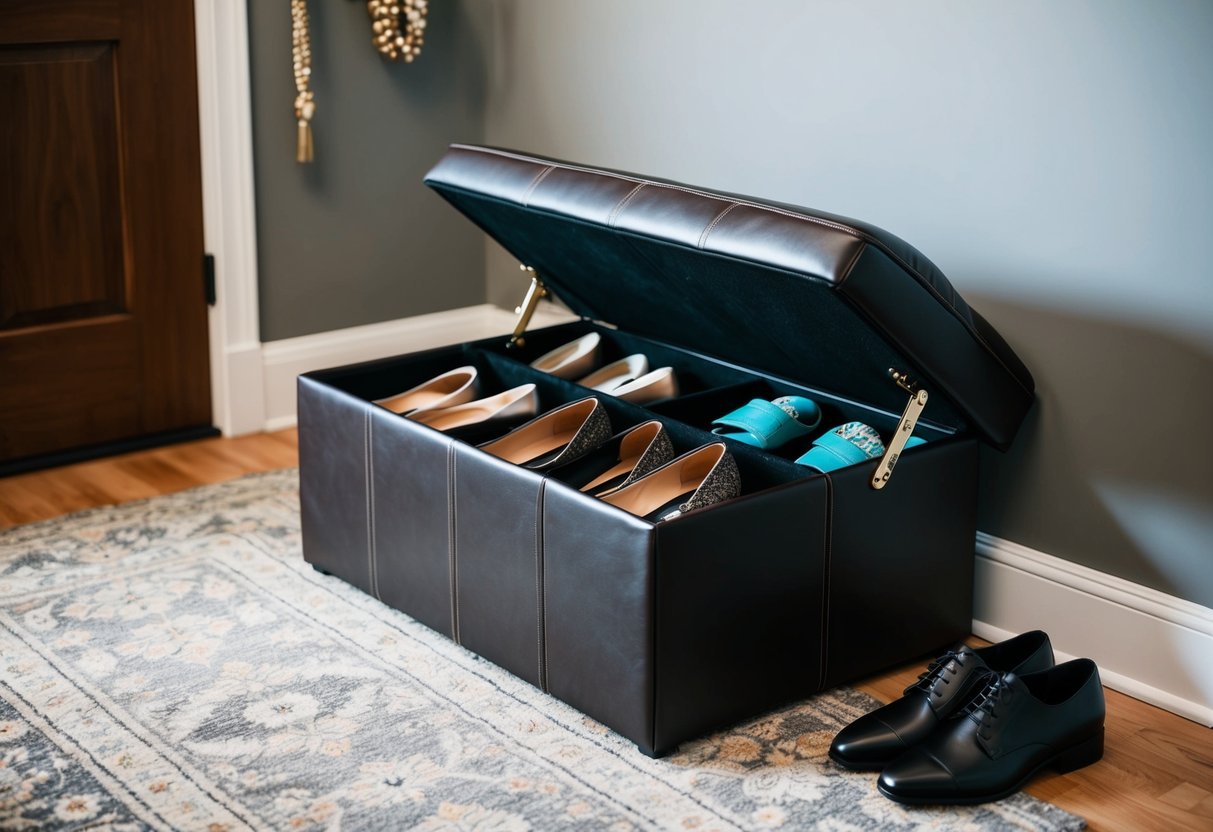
(770, 424)
(844, 445)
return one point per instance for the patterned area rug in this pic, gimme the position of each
(174, 664)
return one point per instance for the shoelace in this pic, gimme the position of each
(940, 670)
(983, 709)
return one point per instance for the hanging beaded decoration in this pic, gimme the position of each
(399, 27)
(305, 106)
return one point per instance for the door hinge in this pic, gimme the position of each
(208, 278)
(905, 428)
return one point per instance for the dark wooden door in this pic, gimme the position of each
(103, 327)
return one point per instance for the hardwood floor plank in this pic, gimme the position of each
(1157, 771)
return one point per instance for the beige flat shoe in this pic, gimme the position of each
(515, 403)
(651, 387)
(573, 360)
(451, 388)
(699, 478)
(616, 374)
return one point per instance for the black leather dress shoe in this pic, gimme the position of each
(1016, 726)
(876, 739)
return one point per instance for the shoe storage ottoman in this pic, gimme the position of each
(666, 631)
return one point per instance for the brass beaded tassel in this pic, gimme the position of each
(305, 106)
(399, 27)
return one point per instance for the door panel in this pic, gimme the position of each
(62, 240)
(102, 315)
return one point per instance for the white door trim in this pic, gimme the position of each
(229, 213)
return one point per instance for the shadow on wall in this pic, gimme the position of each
(1110, 470)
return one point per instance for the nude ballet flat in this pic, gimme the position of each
(616, 374)
(451, 388)
(556, 437)
(515, 403)
(651, 387)
(571, 361)
(700, 478)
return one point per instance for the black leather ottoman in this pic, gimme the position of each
(666, 631)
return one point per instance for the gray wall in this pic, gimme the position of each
(1052, 157)
(355, 238)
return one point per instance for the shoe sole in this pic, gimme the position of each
(1079, 755)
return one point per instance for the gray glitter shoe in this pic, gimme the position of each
(558, 436)
(620, 461)
(700, 478)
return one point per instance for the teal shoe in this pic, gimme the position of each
(844, 445)
(770, 424)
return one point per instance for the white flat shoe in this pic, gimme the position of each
(617, 373)
(573, 360)
(515, 403)
(650, 387)
(450, 388)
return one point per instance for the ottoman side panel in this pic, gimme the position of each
(738, 600)
(901, 575)
(412, 502)
(333, 489)
(497, 560)
(598, 605)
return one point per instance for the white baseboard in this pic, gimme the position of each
(284, 360)
(1150, 645)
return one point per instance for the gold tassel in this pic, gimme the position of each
(304, 152)
(305, 104)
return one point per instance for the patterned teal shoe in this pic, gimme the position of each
(844, 445)
(770, 424)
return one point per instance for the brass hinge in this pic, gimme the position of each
(905, 428)
(534, 294)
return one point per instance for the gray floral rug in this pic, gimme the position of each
(174, 664)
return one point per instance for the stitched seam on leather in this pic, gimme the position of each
(825, 579)
(703, 238)
(374, 518)
(654, 617)
(846, 229)
(623, 203)
(540, 588)
(846, 272)
(450, 511)
(369, 473)
(530, 189)
(855, 232)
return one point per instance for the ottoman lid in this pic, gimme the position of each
(797, 293)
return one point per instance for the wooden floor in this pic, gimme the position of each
(1157, 772)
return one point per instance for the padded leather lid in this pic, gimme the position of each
(797, 293)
